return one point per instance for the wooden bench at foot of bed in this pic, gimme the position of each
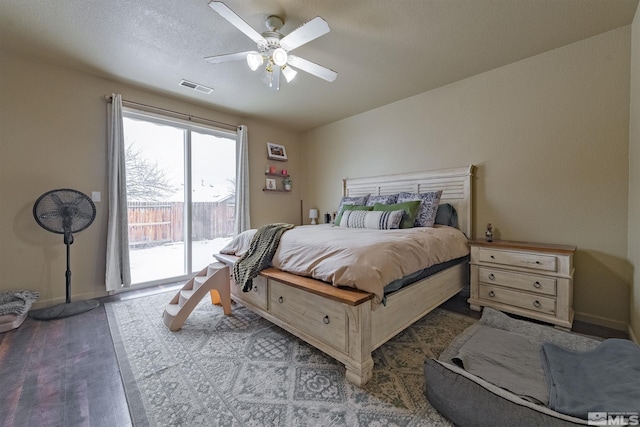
(345, 324)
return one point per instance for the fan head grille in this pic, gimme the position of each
(64, 211)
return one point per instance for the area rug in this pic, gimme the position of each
(241, 370)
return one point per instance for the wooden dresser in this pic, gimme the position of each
(534, 280)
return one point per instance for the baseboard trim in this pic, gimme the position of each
(602, 321)
(633, 336)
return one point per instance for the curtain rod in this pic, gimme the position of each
(175, 113)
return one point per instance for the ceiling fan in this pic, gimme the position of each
(273, 48)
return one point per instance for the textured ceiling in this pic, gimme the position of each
(383, 50)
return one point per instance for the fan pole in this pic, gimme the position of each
(68, 272)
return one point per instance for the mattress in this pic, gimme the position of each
(362, 259)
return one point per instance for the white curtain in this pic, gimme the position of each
(118, 272)
(242, 220)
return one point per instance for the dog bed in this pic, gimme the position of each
(14, 308)
(469, 400)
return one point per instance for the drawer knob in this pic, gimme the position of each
(537, 262)
(537, 285)
(492, 257)
(326, 320)
(492, 294)
(492, 276)
(255, 288)
(280, 300)
(536, 304)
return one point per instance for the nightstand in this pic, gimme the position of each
(533, 280)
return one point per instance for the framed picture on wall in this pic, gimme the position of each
(276, 151)
(271, 184)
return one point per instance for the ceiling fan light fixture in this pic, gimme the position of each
(255, 60)
(289, 73)
(279, 56)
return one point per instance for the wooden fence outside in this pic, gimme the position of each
(156, 223)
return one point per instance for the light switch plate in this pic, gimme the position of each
(95, 196)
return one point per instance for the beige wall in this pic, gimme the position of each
(634, 179)
(550, 137)
(53, 135)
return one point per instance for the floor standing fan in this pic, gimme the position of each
(64, 211)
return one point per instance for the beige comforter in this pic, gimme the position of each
(359, 258)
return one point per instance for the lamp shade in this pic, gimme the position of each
(254, 59)
(279, 56)
(313, 214)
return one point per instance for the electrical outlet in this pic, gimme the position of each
(95, 196)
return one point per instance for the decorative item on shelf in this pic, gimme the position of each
(489, 233)
(271, 184)
(313, 214)
(327, 218)
(276, 152)
(284, 172)
(287, 183)
(267, 169)
(273, 170)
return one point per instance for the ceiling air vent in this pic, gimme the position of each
(196, 86)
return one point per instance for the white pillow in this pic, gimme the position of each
(376, 220)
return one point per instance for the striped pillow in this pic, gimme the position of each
(377, 220)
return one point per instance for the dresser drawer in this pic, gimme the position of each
(518, 259)
(537, 303)
(520, 281)
(256, 296)
(320, 317)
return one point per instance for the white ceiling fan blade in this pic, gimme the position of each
(218, 59)
(312, 68)
(305, 33)
(228, 14)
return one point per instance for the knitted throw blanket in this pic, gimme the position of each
(261, 250)
(16, 302)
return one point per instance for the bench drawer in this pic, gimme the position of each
(320, 317)
(256, 296)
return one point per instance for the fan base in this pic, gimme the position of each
(63, 310)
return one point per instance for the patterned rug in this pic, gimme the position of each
(241, 370)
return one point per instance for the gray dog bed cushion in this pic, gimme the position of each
(468, 400)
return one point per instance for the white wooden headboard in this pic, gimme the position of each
(455, 184)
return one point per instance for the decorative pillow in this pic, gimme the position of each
(378, 220)
(447, 215)
(388, 199)
(428, 208)
(410, 211)
(346, 208)
(357, 201)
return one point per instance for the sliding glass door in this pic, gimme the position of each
(181, 195)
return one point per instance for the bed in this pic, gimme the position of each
(348, 324)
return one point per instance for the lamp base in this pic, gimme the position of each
(63, 310)
(313, 221)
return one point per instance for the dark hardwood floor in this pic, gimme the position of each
(64, 372)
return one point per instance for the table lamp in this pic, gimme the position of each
(313, 214)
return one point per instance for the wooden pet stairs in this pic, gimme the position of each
(213, 279)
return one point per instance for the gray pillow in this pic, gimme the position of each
(447, 215)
